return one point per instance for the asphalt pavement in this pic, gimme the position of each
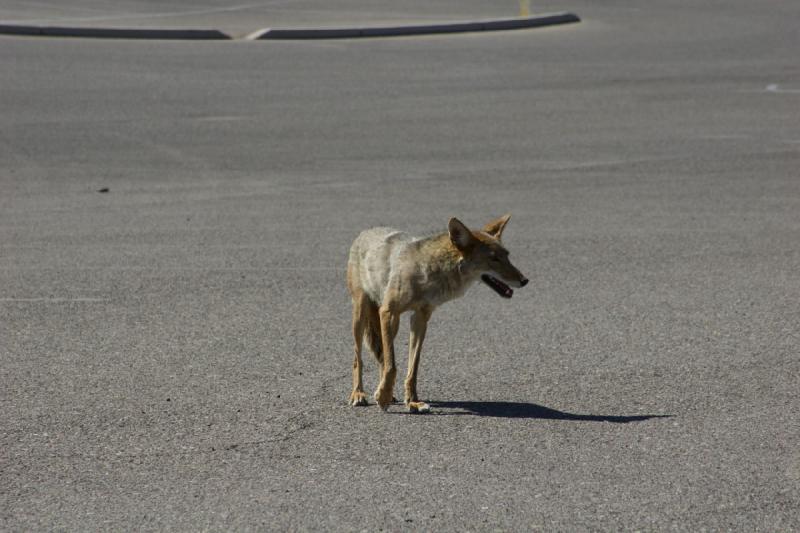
(175, 351)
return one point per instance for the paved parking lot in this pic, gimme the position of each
(175, 352)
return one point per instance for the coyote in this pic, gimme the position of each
(390, 272)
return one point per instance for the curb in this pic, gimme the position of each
(113, 33)
(423, 29)
(289, 34)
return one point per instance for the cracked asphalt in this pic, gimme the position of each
(175, 352)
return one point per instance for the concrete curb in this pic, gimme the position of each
(288, 34)
(422, 29)
(113, 33)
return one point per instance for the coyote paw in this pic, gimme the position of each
(358, 398)
(418, 407)
(384, 398)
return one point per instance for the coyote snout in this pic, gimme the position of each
(390, 272)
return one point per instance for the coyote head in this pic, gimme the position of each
(484, 254)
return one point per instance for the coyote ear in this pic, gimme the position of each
(495, 227)
(460, 235)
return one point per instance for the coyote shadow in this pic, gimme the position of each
(530, 410)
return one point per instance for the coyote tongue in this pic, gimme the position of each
(497, 286)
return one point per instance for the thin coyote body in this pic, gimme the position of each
(390, 272)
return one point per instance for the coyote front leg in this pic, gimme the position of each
(389, 323)
(419, 325)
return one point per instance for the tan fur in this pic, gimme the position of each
(390, 272)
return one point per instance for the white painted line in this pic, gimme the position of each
(576, 165)
(775, 88)
(723, 137)
(221, 118)
(55, 300)
(256, 35)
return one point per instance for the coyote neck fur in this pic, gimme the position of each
(441, 254)
(444, 269)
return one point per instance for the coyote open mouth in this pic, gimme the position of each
(497, 286)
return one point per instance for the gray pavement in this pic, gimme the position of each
(175, 353)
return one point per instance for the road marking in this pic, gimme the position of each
(55, 300)
(725, 137)
(221, 118)
(574, 165)
(775, 88)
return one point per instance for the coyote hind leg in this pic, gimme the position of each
(360, 322)
(389, 321)
(372, 334)
(372, 330)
